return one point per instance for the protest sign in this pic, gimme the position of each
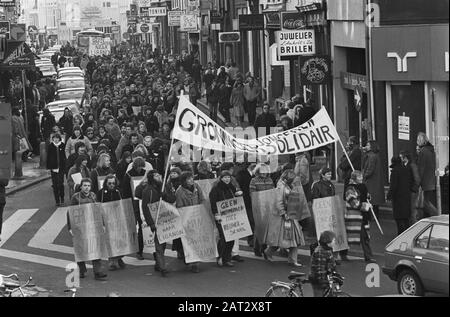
(149, 239)
(235, 222)
(199, 243)
(169, 226)
(206, 185)
(99, 46)
(329, 215)
(297, 206)
(120, 226)
(262, 204)
(77, 178)
(194, 127)
(89, 240)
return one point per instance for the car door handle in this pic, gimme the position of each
(418, 257)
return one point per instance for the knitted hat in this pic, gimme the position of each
(175, 170)
(224, 174)
(325, 170)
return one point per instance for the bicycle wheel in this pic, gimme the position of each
(281, 291)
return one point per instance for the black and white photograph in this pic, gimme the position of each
(218, 154)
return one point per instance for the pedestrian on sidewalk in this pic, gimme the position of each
(282, 231)
(189, 194)
(357, 217)
(237, 101)
(260, 182)
(373, 175)
(252, 94)
(410, 163)
(426, 163)
(3, 183)
(86, 196)
(110, 192)
(223, 190)
(56, 163)
(151, 192)
(401, 182)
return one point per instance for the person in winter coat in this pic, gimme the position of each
(126, 141)
(322, 262)
(372, 170)
(56, 163)
(102, 169)
(357, 219)
(18, 132)
(426, 163)
(244, 177)
(323, 187)
(80, 167)
(47, 123)
(283, 232)
(76, 137)
(66, 123)
(355, 155)
(302, 169)
(151, 192)
(409, 163)
(401, 182)
(122, 166)
(110, 192)
(237, 101)
(189, 194)
(223, 190)
(127, 192)
(260, 182)
(265, 120)
(86, 196)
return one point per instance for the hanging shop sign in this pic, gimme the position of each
(189, 23)
(273, 20)
(153, 11)
(403, 128)
(315, 70)
(296, 43)
(4, 27)
(352, 80)
(251, 22)
(174, 17)
(7, 3)
(229, 37)
(292, 21)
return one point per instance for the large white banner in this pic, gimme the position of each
(194, 127)
(99, 46)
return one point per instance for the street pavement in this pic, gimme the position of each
(35, 242)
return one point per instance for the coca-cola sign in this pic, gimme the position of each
(292, 21)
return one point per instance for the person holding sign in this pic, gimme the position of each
(86, 196)
(77, 173)
(357, 217)
(103, 169)
(150, 193)
(108, 193)
(223, 190)
(128, 189)
(283, 232)
(189, 194)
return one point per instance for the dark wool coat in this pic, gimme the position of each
(402, 181)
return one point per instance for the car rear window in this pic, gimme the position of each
(439, 238)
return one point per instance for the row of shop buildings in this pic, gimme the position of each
(393, 55)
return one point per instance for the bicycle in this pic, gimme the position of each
(11, 285)
(298, 279)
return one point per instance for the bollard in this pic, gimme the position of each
(42, 155)
(18, 164)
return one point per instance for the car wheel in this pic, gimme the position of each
(409, 284)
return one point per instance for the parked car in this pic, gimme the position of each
(70, 94)
(57, 108)
(70, 82)
(418, 258)
(48, 70)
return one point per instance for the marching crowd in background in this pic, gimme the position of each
(124, 129)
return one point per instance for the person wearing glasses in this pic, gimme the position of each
(109, 193)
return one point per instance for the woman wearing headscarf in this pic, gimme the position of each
(223, 190)
(260, 182)
(189, 194)
(282, 231)
(76, 137)
(81, 168)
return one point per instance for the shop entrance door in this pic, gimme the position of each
(408, 115)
